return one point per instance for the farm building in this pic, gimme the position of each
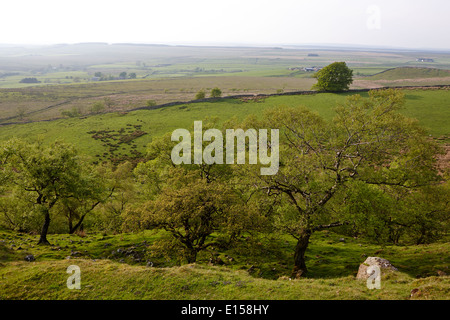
(424, 60)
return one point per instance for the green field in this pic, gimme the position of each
(110, 270)
(430, 107)
(123, 265)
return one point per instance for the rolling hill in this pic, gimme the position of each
(410, 73)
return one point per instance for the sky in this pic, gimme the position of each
(381, 23)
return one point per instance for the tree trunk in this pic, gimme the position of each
(299, 255)
(43, 238)
(191, 255)
(79, 224)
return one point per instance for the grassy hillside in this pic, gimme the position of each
(124, 266)
(410, 73)
(430, 107)
(47, 102)
(110, 270)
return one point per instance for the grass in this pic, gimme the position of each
(47, 102)
(332, 263)
(410, 73)
(430, 107)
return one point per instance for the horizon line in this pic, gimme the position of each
(235, 44)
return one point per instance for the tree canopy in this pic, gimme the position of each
(334, 77)
(368, 142)
(45, 175)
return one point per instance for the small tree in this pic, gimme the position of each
(216, 92)
(190, 208)
(97, 107)
(73, 113)
(46, 175)
(200, 95)
(367, 142)
(334, 77)
(150, 103)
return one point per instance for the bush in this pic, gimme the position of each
(216, 93)
(200, 95)
(97, 107)
(150, 103)
(73, 113)
(29, 80)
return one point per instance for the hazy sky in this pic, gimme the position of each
(395, 23)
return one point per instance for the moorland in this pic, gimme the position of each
(116, 104)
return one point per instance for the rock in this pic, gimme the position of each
(384, 265)
(415, 293)
(29, 258)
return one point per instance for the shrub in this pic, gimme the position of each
(200, 95)
(216, 93)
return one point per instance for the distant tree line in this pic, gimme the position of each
(99, 76)
(29, 80)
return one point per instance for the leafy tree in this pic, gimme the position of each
(191, 209)
(200, 95)
(424, 214)
(216, 93)
(192, 201)
(334, 77)
(150, 103)
(387, 214)
(46, 175)
(124, 194)
(96, 188)
(367, 141)
(73, 113)
(29, 80)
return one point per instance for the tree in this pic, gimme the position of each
(200, 95)
(96, 187)
(191, 201)
(97, 107)
(29, 80)
(367, 141)
(190, 208)
(216, 93)
(47, 174)
(123, 194)
(391, 214)
(108, 102)
(334, 77)
(73, 113)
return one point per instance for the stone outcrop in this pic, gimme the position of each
(383, 264)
